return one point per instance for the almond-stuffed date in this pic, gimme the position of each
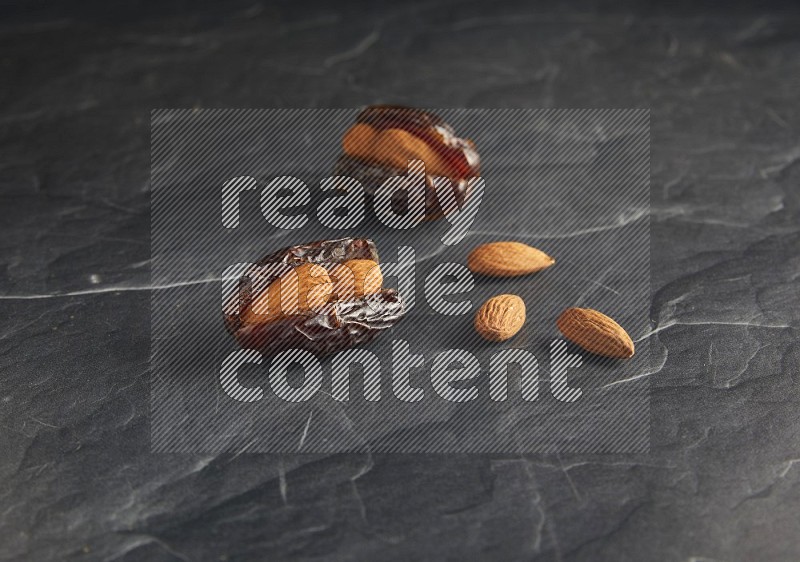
(383, 140)
(322, 297)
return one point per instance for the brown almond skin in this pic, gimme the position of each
(393, 147)
(500, 317)
(311, 284)
(596, 333)
(507, 259)
(336, 326)
(356, 278)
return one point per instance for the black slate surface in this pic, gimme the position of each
(77, 480)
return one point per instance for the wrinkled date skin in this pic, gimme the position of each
(459, 155)
(338, 325)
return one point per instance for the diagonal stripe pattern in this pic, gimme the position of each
(572, 182)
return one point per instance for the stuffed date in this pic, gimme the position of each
(321, 297)
(383, 140)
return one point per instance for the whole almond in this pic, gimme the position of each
(500, 317)
(507, 259)
(595, 332)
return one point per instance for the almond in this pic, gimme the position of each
(500, 317)
(595, 332)
(393, 147)
(356, 278)
(305, 288)
(507, 259)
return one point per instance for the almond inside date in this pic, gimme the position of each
(356, 278)
(393, 135)
(393, 147)
(385, 139)
(308, 287)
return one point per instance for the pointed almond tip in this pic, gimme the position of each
(596, 333)
(628, 353)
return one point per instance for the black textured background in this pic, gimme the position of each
(77, 481)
